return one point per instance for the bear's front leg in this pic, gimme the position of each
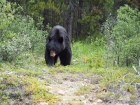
(49, 60)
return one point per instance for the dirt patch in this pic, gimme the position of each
(79, 89)
(72, 88)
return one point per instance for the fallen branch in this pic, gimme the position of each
(136, 70)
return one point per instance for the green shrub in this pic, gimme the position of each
(25, 25)
(10, 49)
(6, 17)
(6, 14)
(18, 33)
(123, 37)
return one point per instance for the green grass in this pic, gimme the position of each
(84, 90)
(20, 86)
(88, 58)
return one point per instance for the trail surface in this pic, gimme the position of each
(79, 89)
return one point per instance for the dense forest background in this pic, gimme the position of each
(80, 18)
(25, 24)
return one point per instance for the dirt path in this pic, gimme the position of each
(67, 85)
(73, 89)
(79, 89)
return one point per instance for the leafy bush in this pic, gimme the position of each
(123, 37)
(25, 25)
(10, 49)
(18, 33)
(6, 18)
(6, 14)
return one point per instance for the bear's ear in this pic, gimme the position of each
(48, 39)
(60, 40)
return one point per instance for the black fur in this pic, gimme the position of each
(58, 41)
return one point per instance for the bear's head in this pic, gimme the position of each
(55, 43)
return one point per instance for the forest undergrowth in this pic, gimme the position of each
(27, 80)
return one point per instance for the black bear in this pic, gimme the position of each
(58, 45)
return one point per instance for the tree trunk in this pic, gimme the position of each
(69, 17)
(45, 20)
(66, 14)
(79, 25)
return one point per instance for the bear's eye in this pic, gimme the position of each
(60, 40)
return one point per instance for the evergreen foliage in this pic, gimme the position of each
(18, 34)
(122, 34)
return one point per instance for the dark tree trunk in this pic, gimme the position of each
(45, 21)
(79, 25)
(69, 17)
(66, 14)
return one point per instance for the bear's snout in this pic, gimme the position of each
(52, 53)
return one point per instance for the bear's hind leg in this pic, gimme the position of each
(65, 57)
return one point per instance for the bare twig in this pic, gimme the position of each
(139, 66)
(136, 70)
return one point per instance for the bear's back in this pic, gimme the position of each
(58, 31)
